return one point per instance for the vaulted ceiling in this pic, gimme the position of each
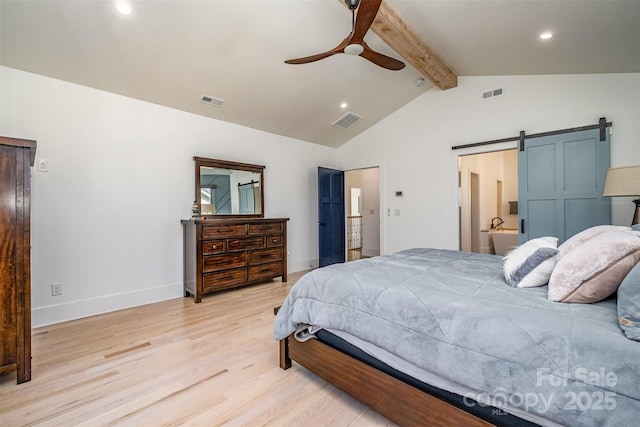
(171, 52)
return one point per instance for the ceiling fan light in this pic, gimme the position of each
(353, 49)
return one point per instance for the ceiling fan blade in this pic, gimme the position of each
(319, 56)
(367, 12)
(383, 61)
(311, 58)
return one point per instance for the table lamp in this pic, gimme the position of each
(624, 181)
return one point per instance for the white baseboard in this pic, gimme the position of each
(71, 310)
(292, 267)
(51, 314)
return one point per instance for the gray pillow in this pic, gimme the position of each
(629, 304)
(531, 263)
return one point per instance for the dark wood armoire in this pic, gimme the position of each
(16, 157)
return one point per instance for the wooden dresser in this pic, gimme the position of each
(228, 253)
(16, 156)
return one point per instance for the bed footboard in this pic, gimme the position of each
(394, 399)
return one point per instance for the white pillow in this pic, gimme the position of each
(531, 263)
(593, 271)
(584, 236)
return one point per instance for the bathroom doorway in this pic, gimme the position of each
(488, 191)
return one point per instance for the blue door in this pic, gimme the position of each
(560, 182)
(331, 217)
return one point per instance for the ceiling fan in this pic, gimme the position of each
(354, 43)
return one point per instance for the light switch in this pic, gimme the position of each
(396, 212)
(43, 165)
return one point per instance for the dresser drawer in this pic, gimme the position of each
(275, 240)
(265, 228)
(224, 279)
(221, 262)
(210, 247)
(245, 244)
(223, 230)
(265, 271)
(265, 255)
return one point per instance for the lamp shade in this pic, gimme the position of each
(623, 181)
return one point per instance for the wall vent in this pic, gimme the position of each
(346, 120)
(492, 93)
(211, 100)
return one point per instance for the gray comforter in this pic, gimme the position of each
(451, 313)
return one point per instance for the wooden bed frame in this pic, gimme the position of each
(396, 400)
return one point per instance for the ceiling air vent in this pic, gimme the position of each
(346, 120)
(211, 100)
(492, 93)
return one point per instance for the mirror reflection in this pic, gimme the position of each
(229, 192)
(228, 188)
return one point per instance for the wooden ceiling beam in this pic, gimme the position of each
(395, 31)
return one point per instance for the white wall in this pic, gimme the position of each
(413, 145)
(106, 217)
(510, 171)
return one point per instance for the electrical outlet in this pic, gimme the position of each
(56, 289)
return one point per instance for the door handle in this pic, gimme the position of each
(522, 226)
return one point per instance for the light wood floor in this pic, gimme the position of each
(175, 363)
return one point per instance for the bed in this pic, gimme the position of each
(465, 348)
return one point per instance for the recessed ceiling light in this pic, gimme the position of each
(420, 82)
(546, 35)
(124, 7)
(343, 105)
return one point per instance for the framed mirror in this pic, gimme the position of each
(229, 189)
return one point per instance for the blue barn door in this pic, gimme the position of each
(560, 183)
(331, 217)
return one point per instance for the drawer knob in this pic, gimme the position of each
(275, 240)
(215, 247)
